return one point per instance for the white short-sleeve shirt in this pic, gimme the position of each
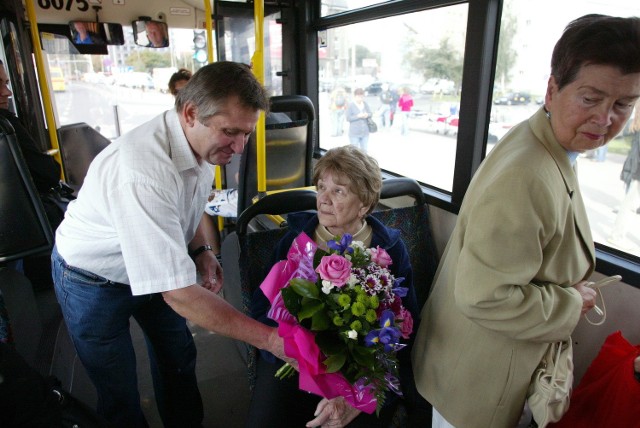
(139, 207)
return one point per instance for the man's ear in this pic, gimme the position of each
(190, 113)
(552, 90)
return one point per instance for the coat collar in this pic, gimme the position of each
(541, 127)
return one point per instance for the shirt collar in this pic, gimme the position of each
(181, 153)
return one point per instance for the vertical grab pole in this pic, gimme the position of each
(258, 70)
(209, 23)
(44, 84)
(210, 59)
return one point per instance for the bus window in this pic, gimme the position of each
(116, 92)
(527, 35)
(239, 46)
(419, 55)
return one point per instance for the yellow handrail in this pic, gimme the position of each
(209, 27)
(258, 70)
(209, 24)
(44, 85)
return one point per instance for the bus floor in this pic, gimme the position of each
(220, 369)
(222, 378)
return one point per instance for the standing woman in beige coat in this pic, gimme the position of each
(513, 276)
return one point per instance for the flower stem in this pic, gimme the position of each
(285, 371)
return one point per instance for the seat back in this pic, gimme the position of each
(24, 231)
(414, 224)
(24, 228)
(245, 254)
(289, 143)
(79, 145)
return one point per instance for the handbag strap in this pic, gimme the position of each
(558, 351)
(602, 312)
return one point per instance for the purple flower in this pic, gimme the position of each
(397, 290)
(387, 335)
(343, 246)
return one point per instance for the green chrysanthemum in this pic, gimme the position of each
(344, 300)
(374, 302)
(358, 309)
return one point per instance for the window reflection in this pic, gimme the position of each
(527, 36)
(419, 55)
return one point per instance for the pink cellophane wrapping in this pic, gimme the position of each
(299, 343)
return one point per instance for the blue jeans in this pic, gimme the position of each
(97, 312)
(360, 142)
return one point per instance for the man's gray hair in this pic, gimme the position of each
(211, 86)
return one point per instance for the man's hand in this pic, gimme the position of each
(333, 413)
(275, 345)
(210, 271)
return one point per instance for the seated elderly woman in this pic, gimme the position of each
(348, 183)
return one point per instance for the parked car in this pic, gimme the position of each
(513, 98)
(58, 82)
(135, 79)
(497, 130)
(438, 86)
(375, 88)
(434, 122)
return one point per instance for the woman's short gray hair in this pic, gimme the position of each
(211, 86)
(358, 168)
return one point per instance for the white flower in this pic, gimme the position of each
(358, 244)
(327, 286)
(353, 280)
(352, 334)
(347, 256)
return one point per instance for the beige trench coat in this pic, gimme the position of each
(502, 291)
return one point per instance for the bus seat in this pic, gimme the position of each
(245, 253)
(414, 224)
(289, 143)
(24, 231)
(24, 228)
(79, 144)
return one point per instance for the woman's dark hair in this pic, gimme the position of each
(181, 74)
(599, 40)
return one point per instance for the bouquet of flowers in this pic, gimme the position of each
(341, 317)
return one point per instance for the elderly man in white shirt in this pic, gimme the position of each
(132, 242)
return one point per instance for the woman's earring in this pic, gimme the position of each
(548, 113)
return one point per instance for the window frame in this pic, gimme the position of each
(482, 35)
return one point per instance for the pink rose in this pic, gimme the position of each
(406, 326)
(335, 269)
(380, 257)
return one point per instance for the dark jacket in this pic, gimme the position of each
(44, 169)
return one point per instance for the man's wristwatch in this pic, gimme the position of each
(195, 253)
